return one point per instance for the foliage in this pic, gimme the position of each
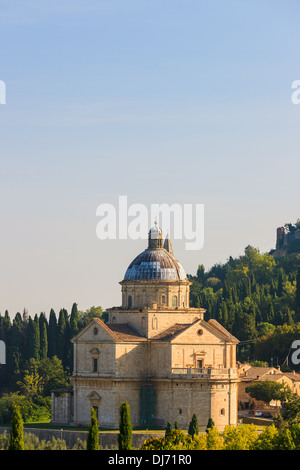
(291, 410)
(31, 411)
(210, 424)
(267, 439)
(16, 440)
(253, 296)
(168, 428)
(93, 435)
(213, 439)
(30, 339)
(125, 429)
(266, 390)
(239, 437)
(32, 442)
(175, 440)
(193, 427)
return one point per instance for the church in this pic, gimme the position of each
(155, 352)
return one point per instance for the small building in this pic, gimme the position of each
(249, 374)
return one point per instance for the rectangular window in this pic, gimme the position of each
(95, 365)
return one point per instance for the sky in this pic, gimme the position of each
(172, 101)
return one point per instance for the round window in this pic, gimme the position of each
(200, 332)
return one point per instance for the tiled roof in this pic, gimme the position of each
(222, 330)
(124, 332)
(295, 377)
(171, 332)
(258, 372)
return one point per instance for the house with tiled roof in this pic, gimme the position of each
(250, 374)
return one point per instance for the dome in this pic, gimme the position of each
(157, 262)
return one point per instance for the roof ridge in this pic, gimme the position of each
(221, 329)
(109, 331)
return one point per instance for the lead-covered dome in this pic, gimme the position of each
(156, 262)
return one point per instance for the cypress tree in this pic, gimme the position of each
(297, 307)
(176, 425)
(74, 329)
(15, 352)
(93, 435)
(61, 332)
(74, 319)
(16, 438)
(169, 429)
(210, 424)
(125, 429)
(52, 334)
(33, 338)
(193, 427)
(44, 342)
(280, 283)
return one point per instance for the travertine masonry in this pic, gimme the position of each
(155, 352)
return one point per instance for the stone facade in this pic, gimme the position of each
(161, 357)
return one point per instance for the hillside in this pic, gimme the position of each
(251, 295)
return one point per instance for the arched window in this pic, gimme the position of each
(129, 301)
(174, 301)
(163, 299)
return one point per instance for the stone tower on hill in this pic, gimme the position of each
(287, 242)
(155, 352)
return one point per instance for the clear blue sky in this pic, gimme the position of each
(162, 101)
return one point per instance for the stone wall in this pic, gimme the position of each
(107, 440)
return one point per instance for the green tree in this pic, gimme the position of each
(267, 439)
(239, 437)
(31, 385)
(53, 374)
(297, 300)
(93, 435)
(210, 424)
(89, 314)
(193, 427)
(213, 439)
(265, 390)
(34, 338)
(15, 352)
(16, 438)
(43, 341)
(201, 273)
(284, 440)
(169, 428)
(125, 429)
(52, 334)
(291, 410)
(74, 320)
(61, 336)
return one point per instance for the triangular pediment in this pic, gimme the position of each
(94, 395)
(197, 332)
(96, 331)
